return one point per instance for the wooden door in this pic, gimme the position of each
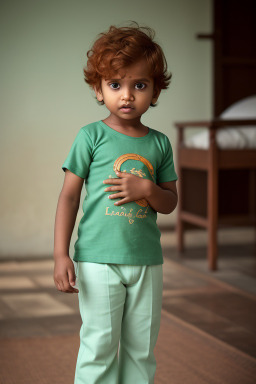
(234, 52)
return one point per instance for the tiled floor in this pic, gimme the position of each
(221, 304)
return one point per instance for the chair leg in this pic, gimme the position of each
(180, 234)
(212, 248)
(180, 224)
(212, 225)
(212, 203)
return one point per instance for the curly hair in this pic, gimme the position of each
(120, 47)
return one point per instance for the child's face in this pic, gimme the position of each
(136, 90)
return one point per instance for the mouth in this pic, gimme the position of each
(126, 108)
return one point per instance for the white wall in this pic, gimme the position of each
(45, 100)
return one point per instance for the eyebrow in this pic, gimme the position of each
(144, 80)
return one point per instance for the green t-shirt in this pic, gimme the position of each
(125, 234)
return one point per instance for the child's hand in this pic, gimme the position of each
(64, 274)
(130, 187)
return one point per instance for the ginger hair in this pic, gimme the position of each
(120, 47)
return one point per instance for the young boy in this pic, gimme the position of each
(129, 176)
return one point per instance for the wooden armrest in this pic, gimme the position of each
(216, 123)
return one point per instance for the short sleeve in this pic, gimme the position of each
(80, 155)
(166, 171)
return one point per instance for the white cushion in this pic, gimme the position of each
(228, 137)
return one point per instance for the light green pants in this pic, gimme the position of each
(118, 303)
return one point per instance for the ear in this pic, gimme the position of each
(98, 94)
(155, 95)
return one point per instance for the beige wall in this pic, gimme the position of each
(45, 100)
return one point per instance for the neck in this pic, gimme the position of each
(116, 122)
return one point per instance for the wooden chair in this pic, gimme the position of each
(217, 187)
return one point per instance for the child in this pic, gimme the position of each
(129, 176)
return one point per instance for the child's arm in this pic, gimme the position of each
(68, 205)
(163, 197)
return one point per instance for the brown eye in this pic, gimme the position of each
(114, 85)
(140, 86)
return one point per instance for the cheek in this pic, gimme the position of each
(111, 99)
(146, 98)
(110, 102)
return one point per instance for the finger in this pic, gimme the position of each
(61, 285)
(122, 174)
(117, 188)
(114, 180)
(116, 195)
(71, 276)
(123, 201)
(72, 280)
(66, 287)
(57, 285)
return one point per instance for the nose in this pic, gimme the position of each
(127, 94)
